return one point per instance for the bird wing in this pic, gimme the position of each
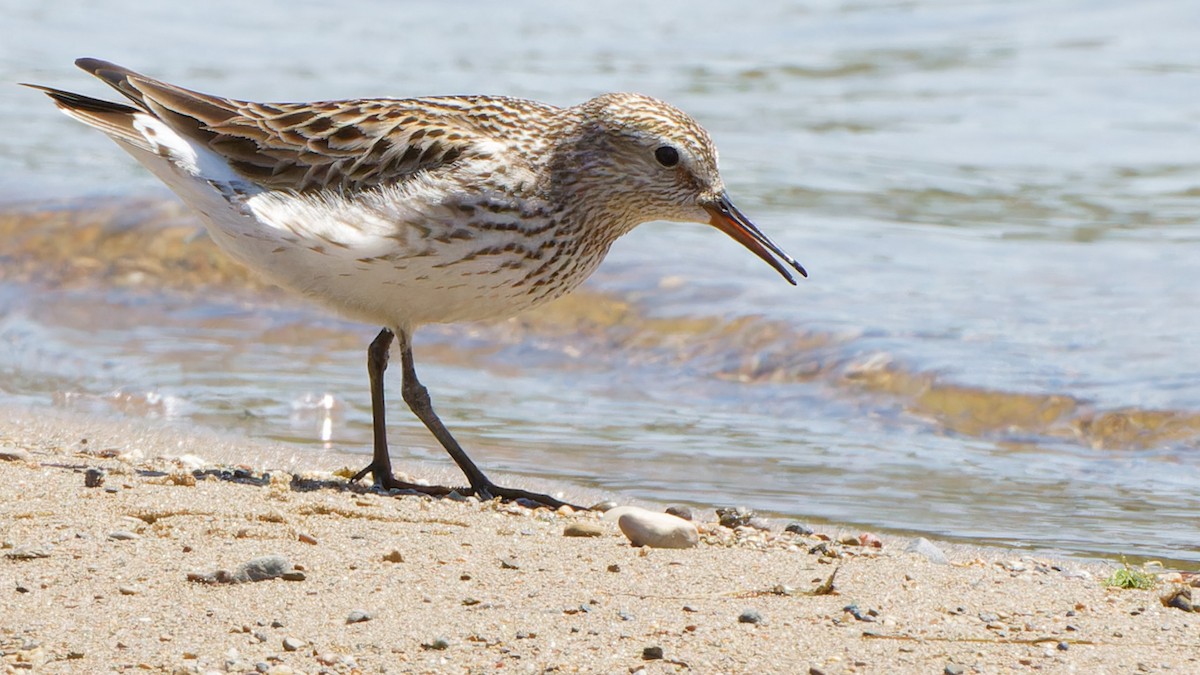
(345, 146)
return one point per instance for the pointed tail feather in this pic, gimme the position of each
(114, 119)
(188, 112)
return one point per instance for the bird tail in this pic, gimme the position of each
(186, 112)
(114, 119)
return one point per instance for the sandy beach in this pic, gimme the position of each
(123, 576)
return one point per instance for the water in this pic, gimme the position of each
(997, 202)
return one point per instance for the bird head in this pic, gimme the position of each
(640, 159)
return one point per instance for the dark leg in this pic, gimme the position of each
(380, 467)
(417, 398)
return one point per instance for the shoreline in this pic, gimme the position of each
(97, 579)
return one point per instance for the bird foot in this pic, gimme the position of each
(386, 481)
(487, 492)
(490, 491)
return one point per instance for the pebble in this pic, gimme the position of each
(923, 547)
(658, 530)
(614, 514)
(799, 528)
(953, 669)
(258, 569)
(393, 556)
(583, 528)
(680, 511)
(93, 477)
(858, 614)
(26, 553)
(291, 644)
(750, 616)
(509, 564)
(603, 507)
(123, 535)
(127, 590)
(652, 653)
(358, 616)
(10, 454)
(738, 516)
(1179, 598)
(307, 538)
(439, 643)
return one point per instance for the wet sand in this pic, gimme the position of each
(96, 579)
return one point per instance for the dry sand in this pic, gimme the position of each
(476, 587)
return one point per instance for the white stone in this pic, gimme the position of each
(657, 530)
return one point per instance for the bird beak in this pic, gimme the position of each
(726, 218)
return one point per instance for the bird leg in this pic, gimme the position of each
(380, 467)
(417, 398)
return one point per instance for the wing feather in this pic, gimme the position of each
(345, 146)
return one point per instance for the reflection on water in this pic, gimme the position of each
(997, 202)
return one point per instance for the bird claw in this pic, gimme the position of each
(490, 491)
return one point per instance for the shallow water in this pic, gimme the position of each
(997, 202)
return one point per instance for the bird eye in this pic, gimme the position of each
(667, 156)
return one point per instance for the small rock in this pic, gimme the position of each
(849, 540)
(870, 540)
(358, 616)
(93, 477)
(509, 564)
(26, 553)
(749, 616)
(614, 514)
(10, 454)
(127, 590)
(735, 517)
(988, 617)
(953, 669)
(860, 615)
(799, 528)
(583, 528)
(924, 547)
(658, 530)
(614, 568)
(758, 523)
(291, 644)
(439, 643)
(393, 556)
(1180, 598)
(123, 535)
(258, 569)
(652, 653)
(1064, 646)
(603, 507)
(680, 512)
(307, 538)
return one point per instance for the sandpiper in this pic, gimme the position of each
(404, 212)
